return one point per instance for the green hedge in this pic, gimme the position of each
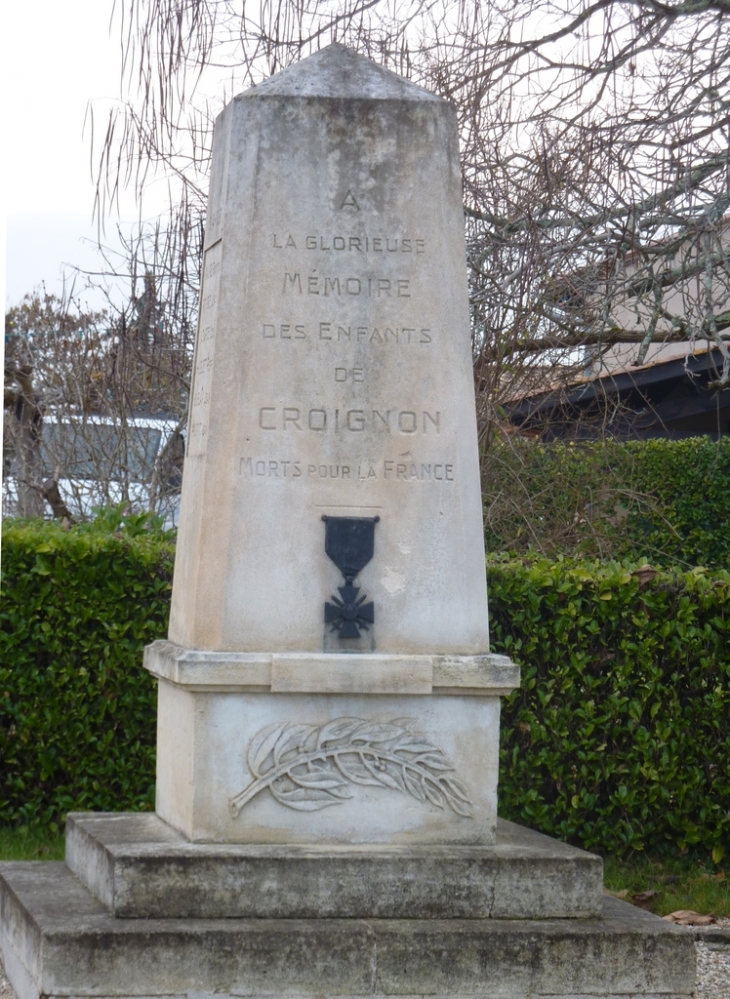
(77, 710)
(661, 500)
(619, 737)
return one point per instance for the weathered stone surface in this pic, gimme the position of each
(333, 372)
(214, 746)
(212, 704)
(139, 867)
(295, 672)
(57, 940)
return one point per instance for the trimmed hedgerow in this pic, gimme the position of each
(618, 739)
(663, 500)
(619, 736)
(77, 710)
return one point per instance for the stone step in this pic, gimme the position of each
(58, 940)
(138, 866)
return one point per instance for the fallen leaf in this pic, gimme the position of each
(644, 574)
(617, 894)
(686, 917)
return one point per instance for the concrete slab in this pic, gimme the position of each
(58, 940)
(139, 866)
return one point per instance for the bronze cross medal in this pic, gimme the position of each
(349, 542)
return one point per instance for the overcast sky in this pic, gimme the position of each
(57, 57)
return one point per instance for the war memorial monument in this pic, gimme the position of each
(328, 716)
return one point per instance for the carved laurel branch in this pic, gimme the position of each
(309, 767)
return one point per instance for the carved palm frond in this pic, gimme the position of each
(309, 767)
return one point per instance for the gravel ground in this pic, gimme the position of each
(713, 967)
(713, 970)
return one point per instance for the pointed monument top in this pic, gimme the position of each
(337, 71)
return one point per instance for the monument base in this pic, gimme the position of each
(139, 867)
(323, 749)
(58, 939)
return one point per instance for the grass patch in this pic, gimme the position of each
(24, 843)
(680, 884)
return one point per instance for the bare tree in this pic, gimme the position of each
(22, 401)
(95, 403)
(594, 142)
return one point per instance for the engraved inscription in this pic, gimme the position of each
(412, 472)
(349, 374)
(340, 287)
(349, 244)
(384, 421)
(349, 201)
(301, 279)
(400, 471)
(373, 334)
(284, 331)
(343, 333)
(262, 468)
(309, 767)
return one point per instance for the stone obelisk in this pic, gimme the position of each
(333, 371)
(330, 545)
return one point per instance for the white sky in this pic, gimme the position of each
(56, 57)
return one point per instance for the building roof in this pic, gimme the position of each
(670, 398)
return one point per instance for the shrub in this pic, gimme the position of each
(619, 736)
(662, 500)
(77, 710)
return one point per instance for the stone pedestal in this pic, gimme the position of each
(327, 748)
(140, 868)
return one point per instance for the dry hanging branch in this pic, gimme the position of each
(594, 147)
